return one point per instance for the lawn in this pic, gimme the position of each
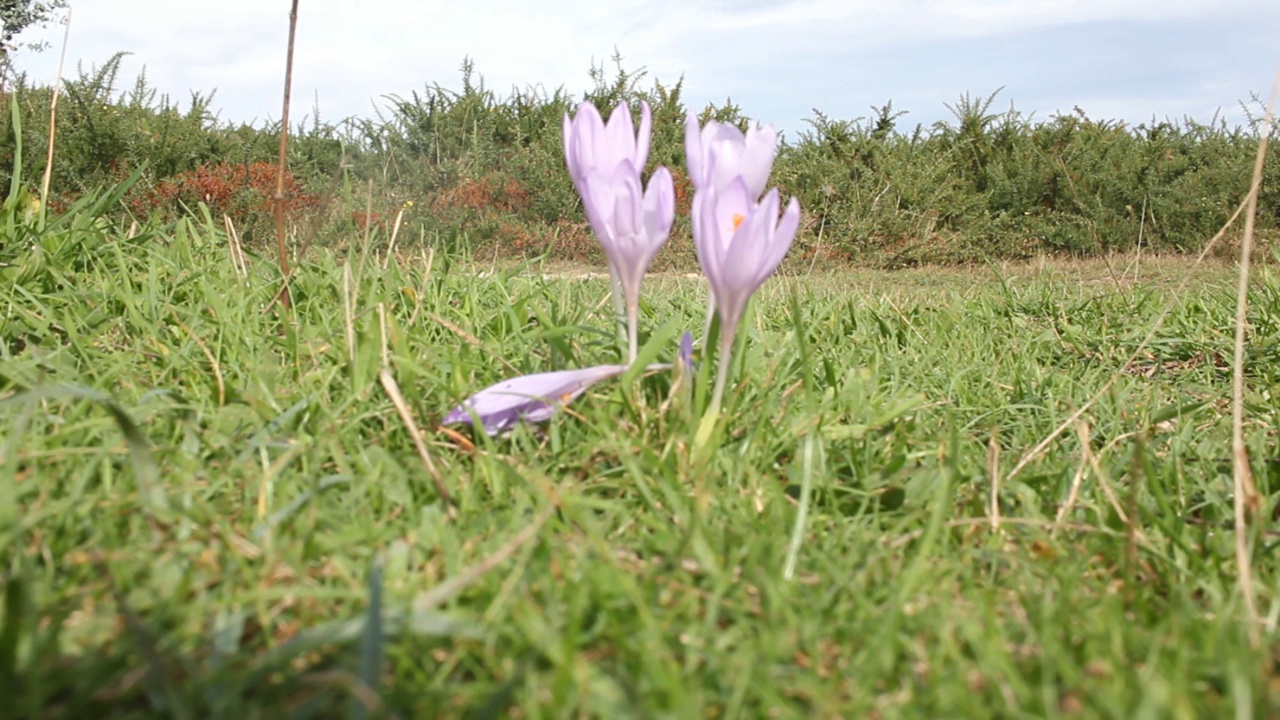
(209, 509)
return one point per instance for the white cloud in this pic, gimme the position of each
(349, 54)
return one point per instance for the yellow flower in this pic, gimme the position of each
(32, 208)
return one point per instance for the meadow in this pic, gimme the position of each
(212, 511)
(995, 489)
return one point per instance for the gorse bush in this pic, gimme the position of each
(244, 192)
(484, 172)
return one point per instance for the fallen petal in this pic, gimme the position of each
(530, 398)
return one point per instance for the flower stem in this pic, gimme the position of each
(633, 319)
(711, 313)
(619, 309)
(708, 423)
(722, 371)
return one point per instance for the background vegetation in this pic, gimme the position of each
(472, 169)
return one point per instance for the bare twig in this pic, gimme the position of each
(406, 416)
(53, 117)
(1103, 480)
(428, 259)
(993, 469)
(1247, 502)
(1082, 429)
(237, 251)
(281, 248)
(1142, 227)
(448, 589)
(208, 354)
(349, 312)
(1035, 452)
(472, 340)
(391, 246)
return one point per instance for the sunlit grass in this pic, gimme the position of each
(217, 559)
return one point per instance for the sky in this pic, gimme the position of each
(1131, 60)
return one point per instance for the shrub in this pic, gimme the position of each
(486, 172)
(246, 193)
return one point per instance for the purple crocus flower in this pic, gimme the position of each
(718, 152)
(740, 243)
(631, 222)
(632, 226)
(590, 144)
(531, 398)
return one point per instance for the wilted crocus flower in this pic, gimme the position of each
(632, 227)
(631, 223)
(532, 398)
(718, 152)
(740, 243)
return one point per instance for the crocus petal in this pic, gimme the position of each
(740, 243)
(695, 158)
(619, 139)
(643, 136)
(784, 233)
(530, 398)
(684, 356)
(716, 216)
(719, 152)
(583, 135)
(746, 265)
(592, 144)
(632, 223)
(659, 203)
(759, 149)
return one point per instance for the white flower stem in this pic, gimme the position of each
(722, 372)
(619, 307)
(709, 419)
(711, 313)
(633, 320)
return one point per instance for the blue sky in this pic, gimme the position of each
(1119, 59)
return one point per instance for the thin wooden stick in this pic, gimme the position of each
(450, 588)
(1031, 455)
(281, 248)
(237, 252)
(1247, 501)
(392, 389)
(1082, 429)
(993, 469)
(53, 117)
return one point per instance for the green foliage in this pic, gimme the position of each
(19, 15)
(38, 252)
(471, 163)
(104, 136)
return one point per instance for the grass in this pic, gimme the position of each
(206, 512)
